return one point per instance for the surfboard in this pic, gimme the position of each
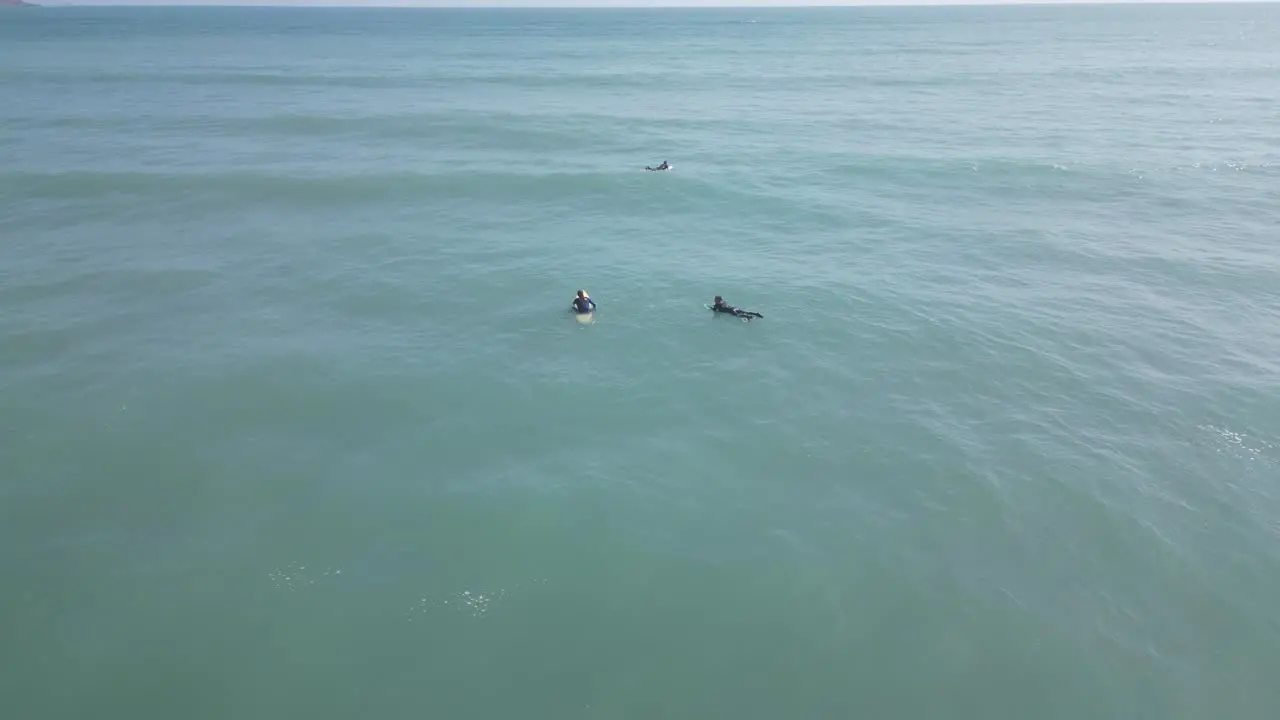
(585, 318)
(712, 309)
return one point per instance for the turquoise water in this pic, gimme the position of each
(296, 423)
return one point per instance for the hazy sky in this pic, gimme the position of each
(601, 3)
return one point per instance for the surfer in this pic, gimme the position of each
(664, 166)
(583, 304)
(721, 306)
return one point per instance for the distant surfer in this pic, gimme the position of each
(721, 306)
(583, 304)
(664, 166)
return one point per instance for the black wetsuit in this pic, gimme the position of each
(731, 310)
(583, 305)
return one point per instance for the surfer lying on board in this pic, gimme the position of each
(721, 306)
(664, 166)
(583, 303)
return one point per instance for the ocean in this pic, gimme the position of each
(295, 421)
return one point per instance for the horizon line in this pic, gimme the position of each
(622, 4)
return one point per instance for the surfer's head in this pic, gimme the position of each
(582, 294)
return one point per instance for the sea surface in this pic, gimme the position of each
(295, 422)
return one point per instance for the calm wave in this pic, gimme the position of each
(297, 423)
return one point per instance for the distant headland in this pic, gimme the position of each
(15, 3)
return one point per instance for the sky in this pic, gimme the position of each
(582, 3)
